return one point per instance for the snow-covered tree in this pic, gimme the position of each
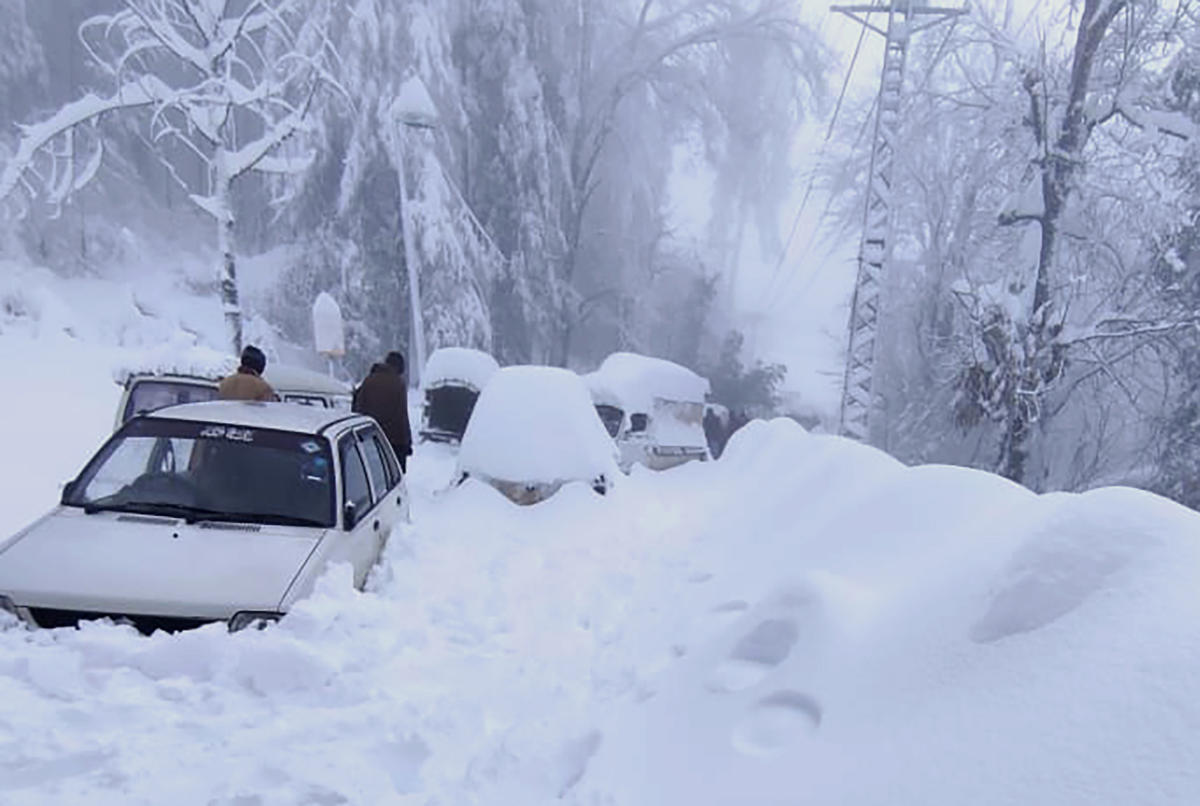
(222, 88)
(576, 109)
(1032, 183)
(376, 174)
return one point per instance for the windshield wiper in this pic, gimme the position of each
(189, 514)
(196, 514)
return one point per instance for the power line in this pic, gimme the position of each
(779, 297)
(771, 286)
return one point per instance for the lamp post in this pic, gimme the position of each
(412, 109)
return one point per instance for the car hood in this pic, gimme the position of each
(121, 563)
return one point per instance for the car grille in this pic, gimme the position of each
(50, 617)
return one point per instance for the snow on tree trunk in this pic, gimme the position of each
(1037, 358)
(410, 257)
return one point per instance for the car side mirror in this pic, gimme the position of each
(349, 516)
(68, 491)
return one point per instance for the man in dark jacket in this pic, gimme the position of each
(383, 394)
(247, 383)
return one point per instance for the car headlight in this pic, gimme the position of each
(253, 618)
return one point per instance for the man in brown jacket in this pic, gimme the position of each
(247, 383)
(383, 394)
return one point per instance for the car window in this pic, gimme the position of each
(354, 475)
(149, 396)
(306, 400)
(611, 416)
(638, 423)
(376, 465)
(389, 458)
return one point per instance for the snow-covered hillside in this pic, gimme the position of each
(803, 621)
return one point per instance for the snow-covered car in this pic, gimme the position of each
(148, 390)
(653, 409)
(450, 385)
(221, 511)
(534, 429)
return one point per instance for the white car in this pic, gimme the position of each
(653, 408)
(533, 430)
(221, 511)
(147, 391)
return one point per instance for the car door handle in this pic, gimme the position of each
(376, 526)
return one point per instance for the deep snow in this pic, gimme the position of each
(803, 621)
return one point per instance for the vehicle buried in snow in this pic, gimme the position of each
(152, 387)
(534, 429)
(653, 409)
(220, 511)
(451, 383)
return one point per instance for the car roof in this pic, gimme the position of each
(282, 377)
(287, 378)
(243, 414)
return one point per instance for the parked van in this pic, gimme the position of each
(653, 409)
(150, 388)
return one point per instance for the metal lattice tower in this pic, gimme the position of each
(904, 18)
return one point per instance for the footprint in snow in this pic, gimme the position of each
(775, 722)
(753, 657)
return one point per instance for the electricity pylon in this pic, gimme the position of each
(903, 19)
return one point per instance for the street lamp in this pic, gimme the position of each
(413, 109)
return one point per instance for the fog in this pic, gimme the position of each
(552, 182)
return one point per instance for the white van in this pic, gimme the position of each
(151, 388)
(652, 408)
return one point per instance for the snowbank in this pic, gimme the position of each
(459, 365)
(536, 424)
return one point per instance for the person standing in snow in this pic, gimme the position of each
(383, 394)
(247, 383)
(713, 432)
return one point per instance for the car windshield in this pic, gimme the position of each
(448, 408)
(151, 395)
(205, 471)
(611, 416)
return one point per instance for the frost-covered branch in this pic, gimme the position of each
(146, 91)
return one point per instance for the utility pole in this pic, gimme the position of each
(902, 19)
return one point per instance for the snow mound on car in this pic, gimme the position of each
(635, 380)
(461, 364)
(536, 424)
